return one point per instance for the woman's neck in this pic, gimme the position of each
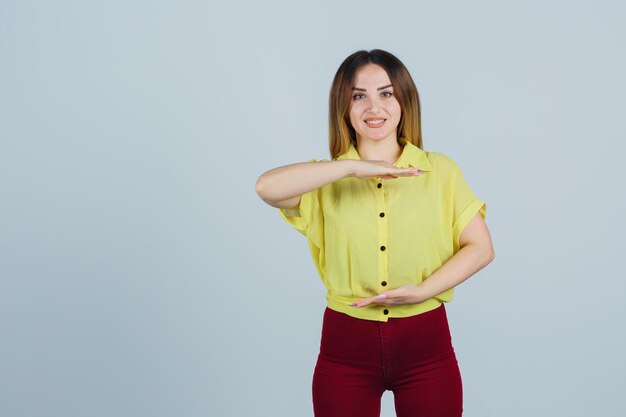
(386, 150)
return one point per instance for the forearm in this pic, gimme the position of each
(466, 262)
(296, 179)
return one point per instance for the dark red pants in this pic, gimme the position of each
(361, 359)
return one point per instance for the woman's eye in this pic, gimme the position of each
(357, 95)
(388, 92)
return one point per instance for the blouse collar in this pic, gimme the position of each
(411, 156)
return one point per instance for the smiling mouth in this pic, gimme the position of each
(375, 122)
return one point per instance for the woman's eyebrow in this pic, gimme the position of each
(379, 88)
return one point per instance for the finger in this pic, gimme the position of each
(410, 171)
(377, 299)
(386, 298)
(357, 303)
(403, 172)
(363, 303)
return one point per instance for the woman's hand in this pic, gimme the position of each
(406, 294)
(381, 169)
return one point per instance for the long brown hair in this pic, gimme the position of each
(341, 132)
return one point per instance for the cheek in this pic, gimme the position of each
(397, 109)
(397, 114)
(354, 115)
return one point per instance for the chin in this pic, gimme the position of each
(378, 138)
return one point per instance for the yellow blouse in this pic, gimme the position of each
(368, 235)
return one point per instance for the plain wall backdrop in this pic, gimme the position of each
(141, 275)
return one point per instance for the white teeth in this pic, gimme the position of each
(374, 122)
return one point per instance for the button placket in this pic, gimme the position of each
(383, 259)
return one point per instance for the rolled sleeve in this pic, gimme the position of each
(302, 216)
(465, 204)
(308, 217)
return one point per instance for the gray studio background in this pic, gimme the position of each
(141, 275)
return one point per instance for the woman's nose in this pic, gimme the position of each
(374, 104)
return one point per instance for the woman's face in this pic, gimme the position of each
(373, 100)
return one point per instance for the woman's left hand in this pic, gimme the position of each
(406, 294)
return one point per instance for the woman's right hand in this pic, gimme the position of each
(279, 186)
(381, 169)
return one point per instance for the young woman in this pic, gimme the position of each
(392, 229)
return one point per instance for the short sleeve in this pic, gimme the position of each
(307, 218)
(464, 204)
(303, 216)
